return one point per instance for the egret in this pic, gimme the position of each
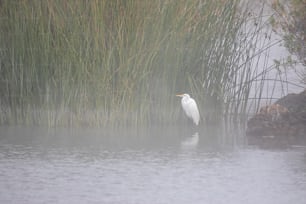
(190, 107)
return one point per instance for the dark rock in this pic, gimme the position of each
(286, 117)
(294, 102)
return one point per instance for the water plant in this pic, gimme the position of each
(121, 62)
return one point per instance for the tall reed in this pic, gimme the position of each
(121, 62)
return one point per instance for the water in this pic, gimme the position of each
(167, 165)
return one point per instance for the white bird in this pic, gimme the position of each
(190, 107)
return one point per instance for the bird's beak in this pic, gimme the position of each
(180, 95)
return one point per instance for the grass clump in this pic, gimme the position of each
(121, 62)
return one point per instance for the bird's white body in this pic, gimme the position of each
(190, 107)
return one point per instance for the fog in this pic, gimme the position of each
(214, 162)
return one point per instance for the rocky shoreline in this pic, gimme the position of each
(286, 117)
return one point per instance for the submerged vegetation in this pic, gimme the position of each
(121, 62)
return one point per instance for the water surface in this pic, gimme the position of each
(161, 165)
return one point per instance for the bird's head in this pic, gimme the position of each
(183, 95)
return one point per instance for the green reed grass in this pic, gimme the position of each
(121, 62)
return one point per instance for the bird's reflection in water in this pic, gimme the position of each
(190, 141)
